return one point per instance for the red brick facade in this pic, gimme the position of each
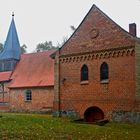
(98, 39)
(116, 94)
(34, 72)
(42, 99)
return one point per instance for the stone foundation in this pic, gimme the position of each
(122, 116)
(68, 113)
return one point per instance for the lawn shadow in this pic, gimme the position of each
(99, 122)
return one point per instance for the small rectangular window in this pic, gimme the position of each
(28, 95)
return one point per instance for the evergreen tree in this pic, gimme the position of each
(23, 49)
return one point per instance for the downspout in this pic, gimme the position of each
(59, 97)
(137, 72)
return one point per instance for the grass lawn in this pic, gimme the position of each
(14, 126)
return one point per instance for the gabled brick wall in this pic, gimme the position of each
(97, 32)
(98, 39)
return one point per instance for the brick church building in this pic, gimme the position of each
(97, 71)
(26, 81)
(95, 75)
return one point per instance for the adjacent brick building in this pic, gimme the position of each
(26, 81)
(34, 74)
(97, 71)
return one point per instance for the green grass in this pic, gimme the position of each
(43, 127)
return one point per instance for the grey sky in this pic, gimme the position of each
(41, 20)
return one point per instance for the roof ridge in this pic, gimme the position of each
(46, 51)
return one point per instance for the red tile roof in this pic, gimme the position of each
(34, 70)
(5, 76)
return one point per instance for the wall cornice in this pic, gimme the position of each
(98, 54)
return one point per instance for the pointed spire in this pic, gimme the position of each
(12, 46)
(13, 14)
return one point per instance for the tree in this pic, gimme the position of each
(47, 45)
(23, 49)
(64, 40)
(1, 47)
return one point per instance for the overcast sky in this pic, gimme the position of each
(44, 20)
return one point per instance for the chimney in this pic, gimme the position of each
(133, 29)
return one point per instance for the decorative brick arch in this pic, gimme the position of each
(93, 114)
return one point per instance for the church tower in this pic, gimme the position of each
(11, 52)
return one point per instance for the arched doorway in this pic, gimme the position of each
(93, 114)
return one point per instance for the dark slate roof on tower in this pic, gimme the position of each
(12, 46)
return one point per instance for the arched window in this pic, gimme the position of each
(84, 73)
(104, 71)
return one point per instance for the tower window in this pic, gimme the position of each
(1, 67)
(7, 66)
